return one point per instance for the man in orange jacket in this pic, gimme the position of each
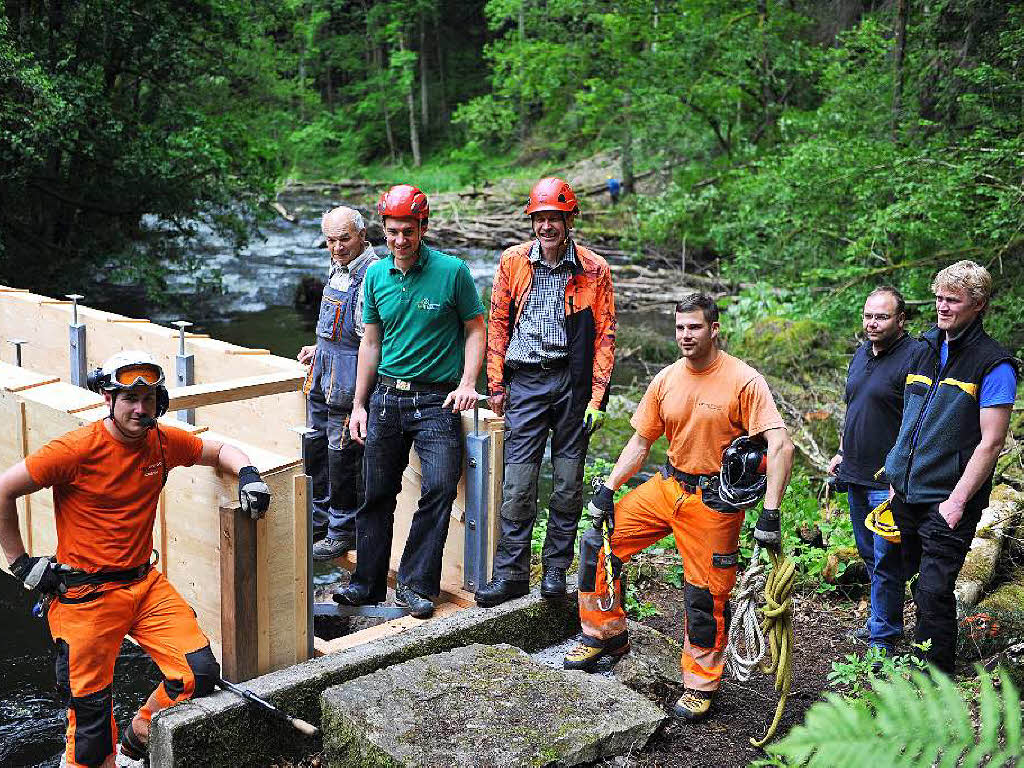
(550, 351)
(702, 403)
(107, 477)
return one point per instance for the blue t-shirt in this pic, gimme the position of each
(998, 387)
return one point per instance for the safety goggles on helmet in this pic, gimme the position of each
(137, 374)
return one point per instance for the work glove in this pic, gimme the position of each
(593, 419)
(602, 507)
(253, 493)
(41, 573)
(768, 531)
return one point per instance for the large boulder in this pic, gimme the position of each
(482, 706)
(652, 665)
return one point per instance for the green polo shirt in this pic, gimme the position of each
(421, 315)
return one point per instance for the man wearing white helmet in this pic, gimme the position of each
(106, 478)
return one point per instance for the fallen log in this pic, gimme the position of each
(997, 521)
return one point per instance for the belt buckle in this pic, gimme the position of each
(405, 386)
(704, 481)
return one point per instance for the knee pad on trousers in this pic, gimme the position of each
(205, 669)
(700, 616)
(519, 492)
(94, 740)
(567, 485)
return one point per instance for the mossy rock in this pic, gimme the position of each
(790, 349)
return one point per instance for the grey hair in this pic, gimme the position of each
(354, 216)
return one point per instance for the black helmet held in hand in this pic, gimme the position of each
(743, 477)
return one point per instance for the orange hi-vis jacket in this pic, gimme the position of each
(589, 320)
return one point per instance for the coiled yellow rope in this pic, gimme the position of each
(753, 642)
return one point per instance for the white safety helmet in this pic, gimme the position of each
(128, 369)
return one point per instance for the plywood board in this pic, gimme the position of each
(14, 378)
(63, 396)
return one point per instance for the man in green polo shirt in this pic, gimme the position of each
(423, 345)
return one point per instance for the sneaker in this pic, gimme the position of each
(330, 549)
(553, 583)
(585, 657)
(419, 606)
(693, 705)
(859, 635)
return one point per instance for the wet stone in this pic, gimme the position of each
(482, 705)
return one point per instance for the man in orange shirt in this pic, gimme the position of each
(701, 403)
(107, 477)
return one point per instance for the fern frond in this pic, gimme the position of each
(920, 721)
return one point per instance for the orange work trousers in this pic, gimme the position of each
(88, 627)
(708, 542)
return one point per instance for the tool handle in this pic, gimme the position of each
(298, 723)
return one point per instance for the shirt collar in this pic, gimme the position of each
(355, 265)
(421, 262)
(891, 348)
(569, 257)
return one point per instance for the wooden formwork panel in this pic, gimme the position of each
(44, 322)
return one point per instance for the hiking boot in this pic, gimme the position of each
(693, 705)
(352, 594)
(419, 606)
(497, 591)
(123, 760)
(553, 583)
(585, 657)
(131, 752)
(329, 549)
(859, 635)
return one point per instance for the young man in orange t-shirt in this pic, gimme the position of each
(701, 403)
(106, 478)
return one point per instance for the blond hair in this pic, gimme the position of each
(967, 276)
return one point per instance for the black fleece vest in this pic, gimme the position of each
(941, 417)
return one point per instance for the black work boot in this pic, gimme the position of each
(329, 548)
(553, 583)
(497, 591)
(419, 606)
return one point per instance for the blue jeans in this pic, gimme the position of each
(396, 422)
(885, 568)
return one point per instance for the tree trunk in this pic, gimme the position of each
(410, 100)
(897, 65)
(442, 114)
(627, 148)
(522, 101)
(388, 132)
(424, 107)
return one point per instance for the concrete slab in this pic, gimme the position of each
(482, 705)
(219, 730)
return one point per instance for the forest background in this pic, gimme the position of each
(809, 149)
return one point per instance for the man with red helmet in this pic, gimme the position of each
(701, 403)
(423, 344)
(550, 351)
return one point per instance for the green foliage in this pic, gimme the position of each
(919, 719)
(855, 674)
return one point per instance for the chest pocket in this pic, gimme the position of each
(328, 325)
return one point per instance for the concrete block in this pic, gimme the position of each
(482, 705)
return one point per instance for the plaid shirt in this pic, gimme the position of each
(339, 278)
(540, 333)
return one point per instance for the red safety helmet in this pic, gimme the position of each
(552, 194)
(404, 202)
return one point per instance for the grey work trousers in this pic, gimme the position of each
(540, 402)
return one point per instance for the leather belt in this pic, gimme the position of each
(400, 385)
(689, 482)
(125, 576)
(544, 365)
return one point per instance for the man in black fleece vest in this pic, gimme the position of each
(959, 394)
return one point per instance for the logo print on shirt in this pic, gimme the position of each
(427, 305)
(710, 406)
(152, 469)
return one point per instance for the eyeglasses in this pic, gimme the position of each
(880, 317)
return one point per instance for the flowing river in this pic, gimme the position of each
(257, 309)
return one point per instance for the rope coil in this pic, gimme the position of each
(748, 646)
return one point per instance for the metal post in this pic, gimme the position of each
(17, 349)
(478, 448)
(76, 338)
(304, 433)
(185, 368)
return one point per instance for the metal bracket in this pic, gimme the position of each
(478, 446)
(185, 370)
(17, 349)
(371, 611)
(76, 339)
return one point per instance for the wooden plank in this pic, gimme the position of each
(25, 502)
(126, 320)
(198, 395)
(301, 542)
(63, 397)
(14, 378)
(387, 629)
(262, 601)
(247, 351)
(238, 587)
(6, 289)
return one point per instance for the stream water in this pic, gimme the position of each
(256, 308)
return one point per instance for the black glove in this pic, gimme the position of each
(768, 531)
(602, 507)
(41, 573)
(253, 493)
